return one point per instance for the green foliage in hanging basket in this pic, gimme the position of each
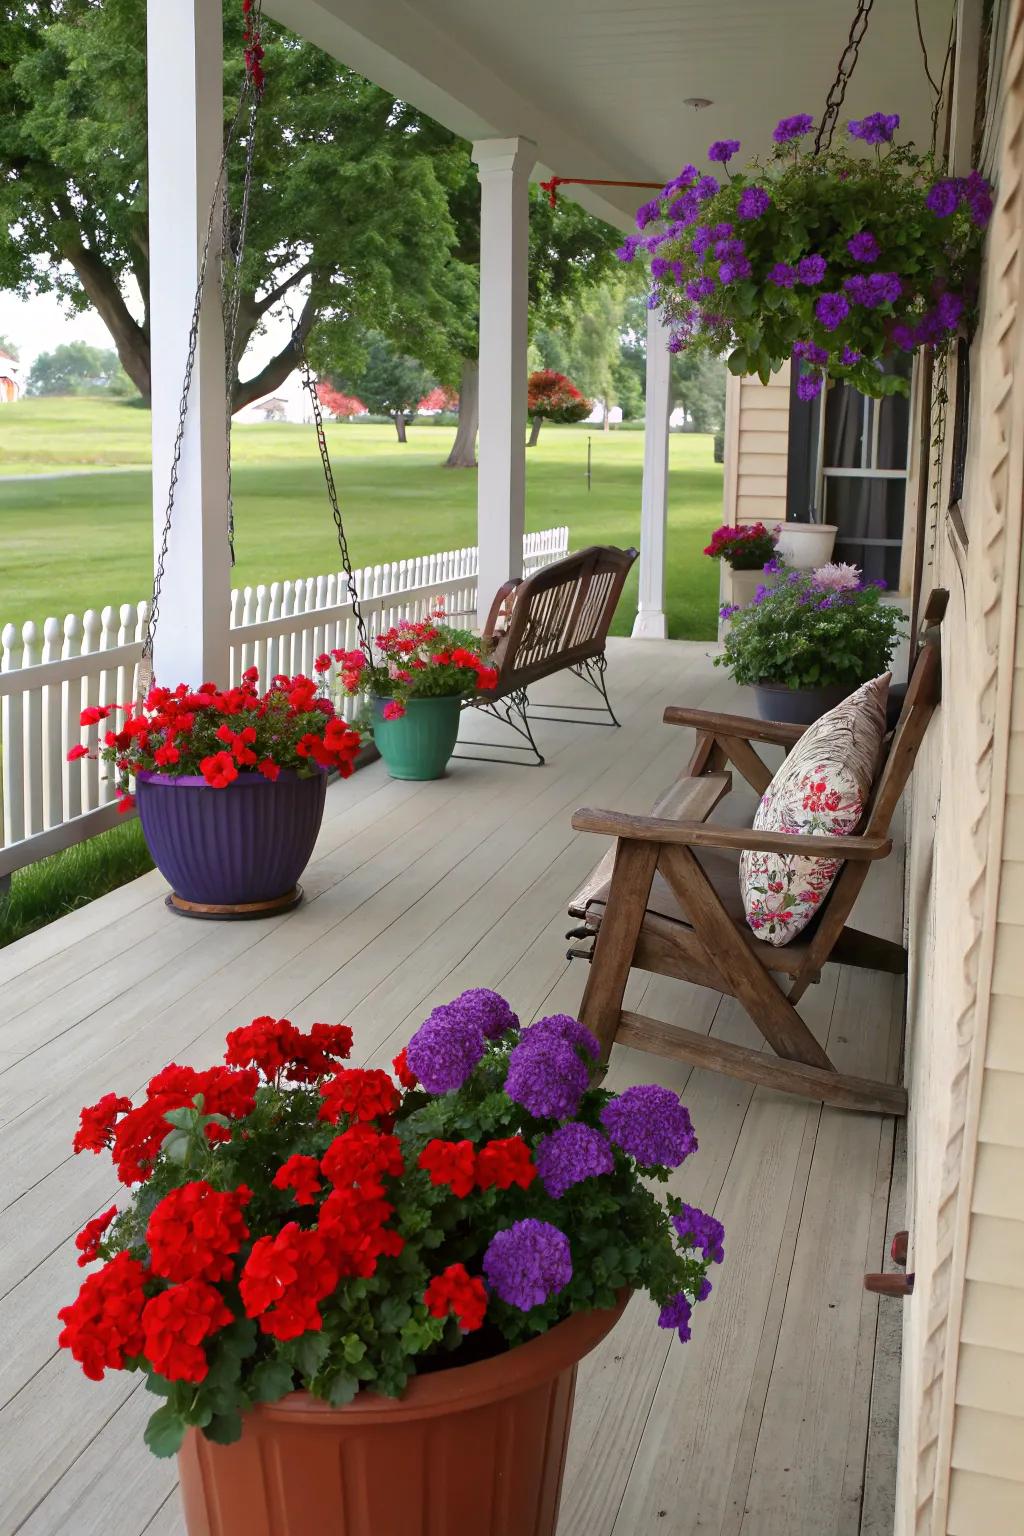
(838, 260)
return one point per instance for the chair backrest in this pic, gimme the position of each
(561, 614)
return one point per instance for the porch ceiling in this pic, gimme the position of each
(599, 85)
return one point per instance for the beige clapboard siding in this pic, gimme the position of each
(758, 437)
(993, 1316)
(980, 1506)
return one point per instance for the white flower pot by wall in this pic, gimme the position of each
(805, 546)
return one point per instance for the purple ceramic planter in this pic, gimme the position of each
(228, 847)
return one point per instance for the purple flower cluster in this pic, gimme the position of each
(700, 288)
(809, 385)
(878, 128)
(873, 288)
(571, 1154)
(562, 1026)
(790, 128)
(810, 352)
(945, 197)
(445, 1049)
(863, 246)
(546, 1074)
(697, 1229)
(752, 203)
(488, 1010)
(647, 213)
(722, 150)
(687, 176)
(850, 356)
(782, 275)
(831, 310)
(676, 1314)
(629, 247)
(811, 269)
(649, 1124)
(527, 1263)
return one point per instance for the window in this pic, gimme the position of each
(848, 458)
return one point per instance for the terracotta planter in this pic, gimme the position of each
(476, 1451)
(234, 852)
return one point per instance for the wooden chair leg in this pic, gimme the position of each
(628, 894)
(742, 756)
(708, 757)
(752, 985)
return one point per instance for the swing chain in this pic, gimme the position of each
(847, 64)
(299, 347)
(231, 296)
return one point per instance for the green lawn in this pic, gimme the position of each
(76, 541)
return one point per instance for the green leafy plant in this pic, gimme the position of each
(818, 629)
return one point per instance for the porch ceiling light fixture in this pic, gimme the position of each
(698, 103)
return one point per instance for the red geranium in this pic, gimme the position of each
(219, 770)
(88, 1240)
(301, 1174)
(103, 1325)
(362, 1156)
(455, 1290)
(96, 1123)
(284, 1279)
(406, 1076)
(359, 1093)
(266, 1043)
(352, 1224)
(452, 1163)
(195, 1231)
(505, 1162)
(175, 1325)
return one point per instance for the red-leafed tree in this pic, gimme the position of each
(339, 405)
(550, 396)
(439, 399)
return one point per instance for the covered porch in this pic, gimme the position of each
(777, 1419)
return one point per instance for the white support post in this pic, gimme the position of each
(650, 622)
(504, 170)
(186, 129)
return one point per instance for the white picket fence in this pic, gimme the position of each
(47, 679)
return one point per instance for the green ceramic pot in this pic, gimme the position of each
(419, 743)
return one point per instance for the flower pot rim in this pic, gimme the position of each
(806, 687)
(464, 1387)
(245, 779)
(427, 698)
(789, 525)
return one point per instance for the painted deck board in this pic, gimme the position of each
(415, 892)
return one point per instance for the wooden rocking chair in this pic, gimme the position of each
(666, 899)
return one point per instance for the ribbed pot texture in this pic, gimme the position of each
(797, 706)
(477, 1451)
(249, 842)
(419, 743)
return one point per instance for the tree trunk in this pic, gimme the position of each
(535, 431)
(607, 426)
(130, 340)
(399, 420)
(463, 454)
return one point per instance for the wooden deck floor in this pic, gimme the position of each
(759, 1426)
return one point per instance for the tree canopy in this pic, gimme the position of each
(347, 199)
(387, 381)
(78, 369)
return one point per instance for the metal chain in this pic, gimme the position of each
(846, 66)
(219, 193)
(325, 458)
(231, 297)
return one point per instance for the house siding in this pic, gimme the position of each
(758, 415)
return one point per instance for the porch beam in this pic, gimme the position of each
(186, 127)
(650, 622)
(504, 167)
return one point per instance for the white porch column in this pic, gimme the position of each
(185, 140)
(504, 169)
(650, 623)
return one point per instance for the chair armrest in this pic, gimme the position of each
(503, 593)
(700, 834)
(776, 732)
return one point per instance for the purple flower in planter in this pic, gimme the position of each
(943, 198)
(722, 150)
(547, 1077)
(808, 386)
(831, 310)
(752, 203)
(649, 1123)
(676, 1314)
(527, 1263)
(863, 246)
(571, 1154)
(811, 269)
(877, 128)
(647, 212)
(696, 1229)
(782, 275)
(810, 352)
(445, 1049)
(562, 1026)
(790, 128)
(487, 1010)
(727, 610)
(700, 288)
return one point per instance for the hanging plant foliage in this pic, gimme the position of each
(837, 260)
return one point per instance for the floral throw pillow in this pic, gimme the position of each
(821, 788)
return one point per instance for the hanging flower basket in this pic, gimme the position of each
(839, 260)
(355, 1301)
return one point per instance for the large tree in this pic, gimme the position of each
(349, 214)
(75, 368)
(386, 381)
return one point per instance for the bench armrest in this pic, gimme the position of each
(775, 732)
(502, 595)
(700, 834)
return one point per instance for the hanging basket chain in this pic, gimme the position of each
(846, 66)
(309, 384)
(231, 296)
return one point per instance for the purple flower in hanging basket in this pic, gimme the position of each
(790, 128)
(700, 288)
(734, 271)
(808, 386)
(877, 128)
(752, 203)
(811, 269)
(810, 352)
(721, 231)
(676, 1314)
(782, 275)
(725, 250)
(685, 208)
(628, 249)
(676, 342)
(702, 241)
(707, 187)
(863, 246)
(850, 356)
(857, 288)
(722, 150)
(831, 310)
(653, 299)
(979, 198)
(685, 178)
(904, 337)
(659, 267)
(647, 212)
(948, 309)
(944, 198)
